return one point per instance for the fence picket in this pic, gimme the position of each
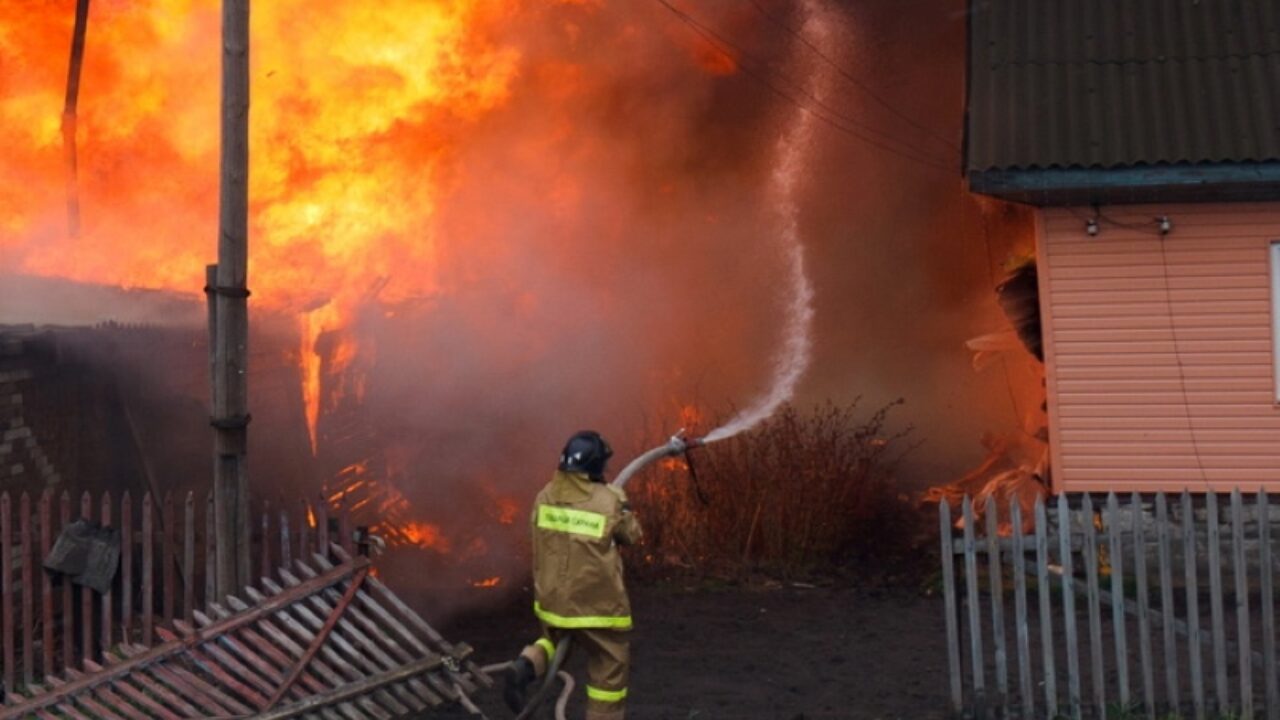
(148, 571)
(1268, 608)
(1090, 558)
(1020, 611)
(1166, 603)
(108, 626)
(168, 561)
(28, 589)
(322, 526)
(6, 589)
(189, 558)
(264, 564)
(1171, 527)
(86, 597)
(210, 553)
(1143, 602)
(286, 559)
(46, 584)
(1069, 608)
(1046, 609)
(126, 567)
(995, 572)
(948, 594)
(306, 526)
(975, 616)
(1242, 605)
(1217, 612)
(1189, 556)
(1115, 550)
(68, 603)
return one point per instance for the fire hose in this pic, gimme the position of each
(676, 445)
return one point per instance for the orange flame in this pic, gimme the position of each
(488, 583)
(426, 535)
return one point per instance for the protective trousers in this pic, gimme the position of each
(608, 665)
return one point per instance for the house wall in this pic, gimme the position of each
(1159, 353)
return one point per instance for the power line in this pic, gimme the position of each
(849, 126)
(949, 144)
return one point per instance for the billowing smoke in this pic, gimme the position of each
(530, 218)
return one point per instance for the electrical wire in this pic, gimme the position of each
(849, 126)
(1177, 358)
(948, 144)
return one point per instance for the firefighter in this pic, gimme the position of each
(578, 522)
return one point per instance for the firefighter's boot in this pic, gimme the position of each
(516, 682)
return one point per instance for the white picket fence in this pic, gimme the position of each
(1143, 579)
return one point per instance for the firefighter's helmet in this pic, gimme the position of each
(586, 452)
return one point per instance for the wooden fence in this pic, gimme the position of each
(51, 628)
(1167, 634)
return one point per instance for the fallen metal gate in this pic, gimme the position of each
(330, 642)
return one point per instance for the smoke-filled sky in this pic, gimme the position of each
(536, 216)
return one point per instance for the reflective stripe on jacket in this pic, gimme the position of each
(577, 570)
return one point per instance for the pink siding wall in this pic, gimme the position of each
(1159, 361)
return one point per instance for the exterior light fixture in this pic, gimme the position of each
(1165, 224)
(1091, 227)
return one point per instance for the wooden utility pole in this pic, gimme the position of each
(69, 117)
(230, 310)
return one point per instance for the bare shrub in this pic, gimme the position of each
(803, 493)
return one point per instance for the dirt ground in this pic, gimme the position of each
(785, 652)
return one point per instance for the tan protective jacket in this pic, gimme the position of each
(577, 570)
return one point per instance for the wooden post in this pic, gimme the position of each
(231, 339)
(69, 117)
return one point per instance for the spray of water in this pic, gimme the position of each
(793, 148)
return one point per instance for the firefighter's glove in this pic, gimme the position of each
(516, 682)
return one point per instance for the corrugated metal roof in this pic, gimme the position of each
(1115, 83)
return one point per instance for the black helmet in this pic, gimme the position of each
(586, 452)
